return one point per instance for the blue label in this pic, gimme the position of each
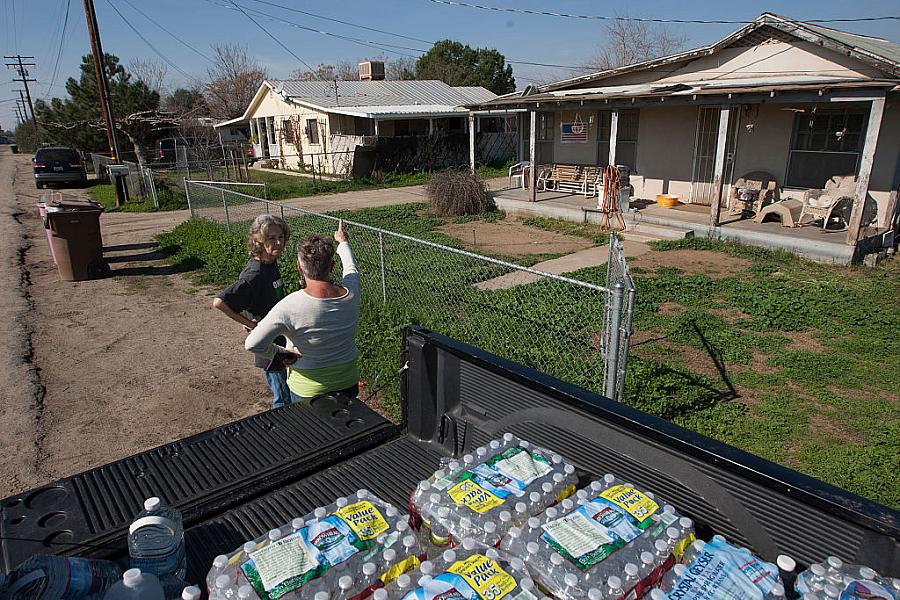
(330, 540)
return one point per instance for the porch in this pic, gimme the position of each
(828, 246)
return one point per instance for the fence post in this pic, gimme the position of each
(383, 271)
(225, 205)
(612, 344)
(187, 194)
(624, 347)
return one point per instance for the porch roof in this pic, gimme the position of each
(781, 83)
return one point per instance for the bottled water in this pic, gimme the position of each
(220, 563)
(136, 585)
(50, 577)
(156, 540)
(849, 580)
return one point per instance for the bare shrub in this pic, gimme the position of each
(455, 193)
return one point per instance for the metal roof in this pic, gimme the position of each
(379, 93)
(400, 111)
(877, 47)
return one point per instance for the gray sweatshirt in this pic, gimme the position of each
(322, 329)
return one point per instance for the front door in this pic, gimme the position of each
(703, 189)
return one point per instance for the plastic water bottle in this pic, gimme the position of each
(787, 568)
(220, 563)
(51, 577)
(224, 589)
(156, 540)
(136, 585)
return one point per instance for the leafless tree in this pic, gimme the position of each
(234, 78)
(151, 72)
(628, 42)
(347, 71)
(201, 140)
(400, 68)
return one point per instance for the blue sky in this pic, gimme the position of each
(30, 27)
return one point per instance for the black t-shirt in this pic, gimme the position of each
(258, 288)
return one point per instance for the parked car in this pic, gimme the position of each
(4, 139)
(58, 165)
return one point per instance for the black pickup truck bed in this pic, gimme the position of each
(455, 397)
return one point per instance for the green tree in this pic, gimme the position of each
(183, 101)
(458, 64)
(77, 121)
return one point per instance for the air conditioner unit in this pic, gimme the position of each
(371, 70)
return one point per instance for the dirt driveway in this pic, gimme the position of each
(98, 370)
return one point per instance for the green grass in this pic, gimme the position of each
(826, 404)
(170, 198)
(584, 230)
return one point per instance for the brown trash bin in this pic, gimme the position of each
(74, 226)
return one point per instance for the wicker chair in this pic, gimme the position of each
(825, 204)
(750, 192)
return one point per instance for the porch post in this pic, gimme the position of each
(519, 132)
(376, 127)
(865, 169)
(472, 143)
(430, 126)
(532, 157)
(613, 135)
(719, 166)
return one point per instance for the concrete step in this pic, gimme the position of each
(647, 232)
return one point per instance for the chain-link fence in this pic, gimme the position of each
(571, 329)
(139, 180)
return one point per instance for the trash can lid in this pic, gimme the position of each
(73, 203)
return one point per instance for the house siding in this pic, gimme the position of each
(272, 105)
(665, 150)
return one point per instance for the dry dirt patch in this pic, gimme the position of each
(511, 237)
(801, 340)
(716, 265)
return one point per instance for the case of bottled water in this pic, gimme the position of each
(484, 494)
(469, 571)
(344, 550)
(833, 578)
(717, 569)
(610, 541)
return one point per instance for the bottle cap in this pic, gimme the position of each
(534, 497)
(223, 581)
(569, 469)
(567, 505)
(614, 582)
(526, 583)
(609, 478)
(685, 523)
(657, 594)
(449, 556)
(298, 523)
(244, 592)
(249, 547)
(679, 569)
(345, 582)
(551, 513)
(481, 451)
(403, 582)
(424, 486)
(817, 569)
(424, 580)
(492, 553)
(777, 590)
(556, 560)
(191, 592)
(340, 502)
(508, 437)
(521, 507)
(556, 458)
(439, 474)
(465, 523)
(490, 527)
(646, 558)
(514, 532)
(547, 487)
(380, 594)
(220, 562)
(532, 548)
(595, 594)
(323, 595)
(596, 486)
(468, 459)
(427, 567)
(402, 526)
(391, 511)
(668, 508)
(435, 498)
(444, 512)
(581, 494)
(698, 545)
(672, 533)
(867, 573)
(631, 570)
(558, 478)
(133, 578)
(534, 522)
(505, 516)
(362, 493)
(274, 535)
(151, 504)
(571, 580)
(516, 563)
(369, 569)
(835, 563)
(468, 544)
(320, 512)
(524, 444)
(409, 541)
(494, 444)
(832, 591)
(661, 545)
(786, 563)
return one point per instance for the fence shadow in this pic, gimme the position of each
(136, 246)
(182, 266)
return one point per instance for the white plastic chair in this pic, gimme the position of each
(519, 170)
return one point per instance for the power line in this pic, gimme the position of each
(175, 37)
(146, 41)
(62, 39)
(546, 13)
(275, 39)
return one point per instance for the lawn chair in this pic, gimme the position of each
(825, 204)
(520, 170)
(751, 192)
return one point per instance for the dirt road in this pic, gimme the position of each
(98, 370)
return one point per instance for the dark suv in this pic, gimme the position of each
(58, 165)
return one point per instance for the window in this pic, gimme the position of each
(312, 131)
(626, 138)
(411, 127)
(825, 143)
(287, 131)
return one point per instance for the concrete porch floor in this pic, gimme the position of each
(809, 241)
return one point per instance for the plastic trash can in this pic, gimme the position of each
(74, 226)
(42, 210)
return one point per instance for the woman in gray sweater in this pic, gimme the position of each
(319, 322)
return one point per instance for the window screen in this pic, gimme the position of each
(825, 143)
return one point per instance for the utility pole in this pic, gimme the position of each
(103, 89)
(18, 113)
(19, 66)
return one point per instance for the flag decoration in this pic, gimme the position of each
(573, 133)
